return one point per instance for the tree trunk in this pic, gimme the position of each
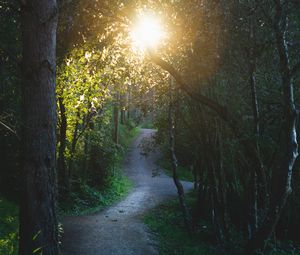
(38, 222)
(177, 182)
(123, 115)
(72, 152)
(63, 179)
(116, 120)
(253, 196)
(282, 176)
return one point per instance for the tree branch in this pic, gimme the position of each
(215, 106)
(9, 129)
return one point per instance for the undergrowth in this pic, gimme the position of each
(184, 173)
(8, 227)
(167, 225)
(85, 199)
(166, 222)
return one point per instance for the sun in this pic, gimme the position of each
(147, 32)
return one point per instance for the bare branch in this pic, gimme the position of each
(9, 128)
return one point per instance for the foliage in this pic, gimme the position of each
(184, 173)
(86, 198)
(8, 227)
(9, 95)
(167, 224)
(226, 51)
(168, 228)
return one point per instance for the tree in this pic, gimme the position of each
(38, 223)
(275, 38)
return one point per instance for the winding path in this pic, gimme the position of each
(119, 230)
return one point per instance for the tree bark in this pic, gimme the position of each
(253, 190)
(61, 162)
(177, 182)
(282, 176)
(38, 222)
(116, 120)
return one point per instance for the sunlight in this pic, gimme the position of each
(147, 32)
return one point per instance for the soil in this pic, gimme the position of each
(119, 229)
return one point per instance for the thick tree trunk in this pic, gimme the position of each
(38, 223)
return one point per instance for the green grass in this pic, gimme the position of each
(167, 224)
(8, 227)
(128, 135)
(184, 173)
(87, 200)
(147, 123)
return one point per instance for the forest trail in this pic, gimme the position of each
(119, 230)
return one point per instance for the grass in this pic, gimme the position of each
(8, 227)
(87, 200)
(147, 123)
(166, 222)
(184, 173)
(128, 135)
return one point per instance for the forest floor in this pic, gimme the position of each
(119, 229)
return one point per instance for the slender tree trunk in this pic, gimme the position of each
(61, 162)
(253, 196)
(116, 120)
(200, 196)
(38, 222)
(222, 188)
(177, 182)
(87, 153)
(282, 176)
(72, 152)
(128, 102)
(123, 115)
(123, 108)
(217, 182)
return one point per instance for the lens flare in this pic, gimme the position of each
(147, 32)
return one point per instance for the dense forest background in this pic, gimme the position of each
(221, 89)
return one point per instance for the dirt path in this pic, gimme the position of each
(119, 230)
